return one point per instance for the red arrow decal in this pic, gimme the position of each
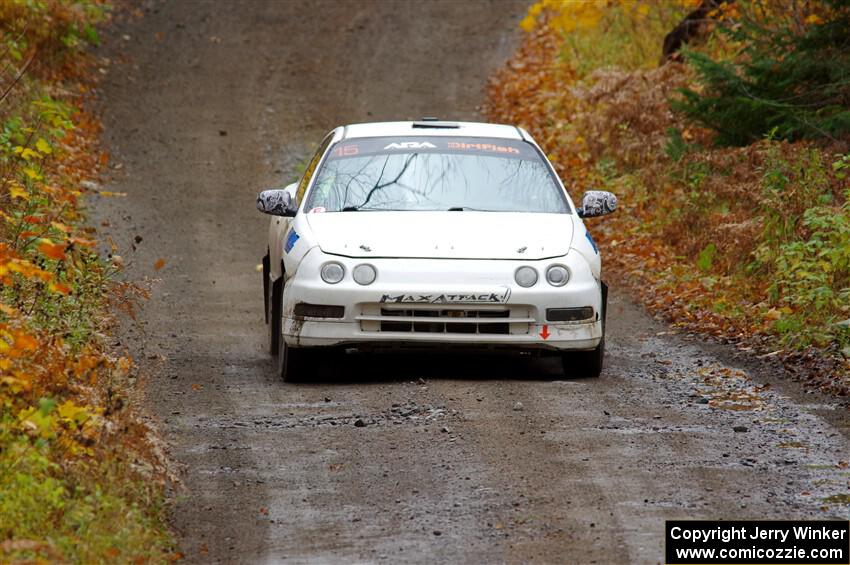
(545, 333)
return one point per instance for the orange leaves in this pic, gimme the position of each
(160, 263)
(85, 363)
(52, 250)
(59, 288)
(24, 342)
(15, 342)
(82, 242)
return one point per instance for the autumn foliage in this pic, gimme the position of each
(751, 244)
(71, 489)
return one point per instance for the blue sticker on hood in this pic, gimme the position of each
(593, 243)
(291, 238)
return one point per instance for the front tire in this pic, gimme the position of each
(586, 364)
(266, 275)
(290, 363)
(275, 313)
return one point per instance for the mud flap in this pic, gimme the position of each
(266, 269)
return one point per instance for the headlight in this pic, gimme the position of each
(332, 272)
(364, 274)
(525, 276)
(557, 275)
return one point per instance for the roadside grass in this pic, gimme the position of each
(748, 244)
(81, 477)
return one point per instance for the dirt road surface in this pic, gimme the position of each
(461, 459)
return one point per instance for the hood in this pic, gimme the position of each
(443, 235)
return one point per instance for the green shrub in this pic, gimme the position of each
(805, 252)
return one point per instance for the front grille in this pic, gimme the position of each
(434, 321)
(442, 320)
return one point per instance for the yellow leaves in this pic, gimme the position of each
(72, 414)
(25, 153)
(813, 19)
(16, 190)
(582, 14)
(43, 146)
(47, 420)
(52, 250)
(606, 33)
(530, 20)
(32, 173)
(25, 269)
(567, 16)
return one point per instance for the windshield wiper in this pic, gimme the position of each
(371, 209)
(466, 209)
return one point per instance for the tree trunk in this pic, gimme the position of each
(689, 28)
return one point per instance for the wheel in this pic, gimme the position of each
(584, 363)
(275, 307)
(290, 363)
(588, 363)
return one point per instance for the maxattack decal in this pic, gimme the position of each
(459, 298)
(291, 238)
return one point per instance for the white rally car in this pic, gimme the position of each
(432, 233)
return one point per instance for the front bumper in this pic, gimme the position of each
(420, 302)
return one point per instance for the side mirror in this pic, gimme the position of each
(277, 202)
(597, 203)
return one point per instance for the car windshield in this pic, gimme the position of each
(435, 173)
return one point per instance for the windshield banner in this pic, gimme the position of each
(509, 148)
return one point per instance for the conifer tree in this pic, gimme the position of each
(790, 83)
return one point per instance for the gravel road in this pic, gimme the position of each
(457, 458)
